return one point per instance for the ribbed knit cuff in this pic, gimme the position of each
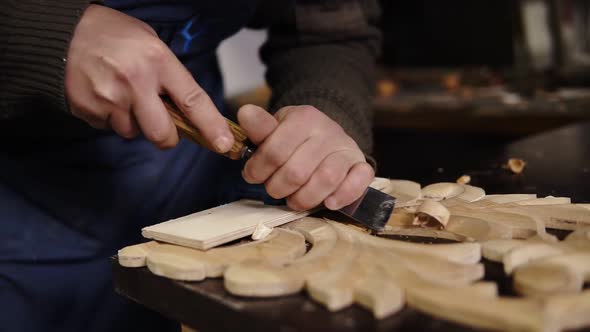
(35, 36)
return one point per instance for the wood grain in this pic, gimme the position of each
(209, 228)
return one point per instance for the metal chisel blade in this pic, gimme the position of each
(373, 209)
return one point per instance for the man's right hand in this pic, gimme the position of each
(116, 70)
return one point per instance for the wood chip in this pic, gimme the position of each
(515, 165)
(386, 88)
(261, 232)
(452, 81)
(431, 213)
(464, 179)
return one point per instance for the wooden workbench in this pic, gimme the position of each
(558, 164)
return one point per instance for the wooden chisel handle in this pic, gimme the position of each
(241, 150)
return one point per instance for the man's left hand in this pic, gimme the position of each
(304, 156)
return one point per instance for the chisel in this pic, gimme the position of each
(372, 209)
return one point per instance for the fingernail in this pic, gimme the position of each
(331, 203)
(222, 144)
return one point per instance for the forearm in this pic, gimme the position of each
(34, 39)
(320, 76)
(329, 66)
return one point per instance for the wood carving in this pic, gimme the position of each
(544, 268)
(182, 263)
(407, 193)
(347, 266)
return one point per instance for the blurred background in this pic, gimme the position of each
(458, 75)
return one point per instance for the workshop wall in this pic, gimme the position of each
(240, 64)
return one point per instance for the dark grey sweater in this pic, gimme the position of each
(319, 52)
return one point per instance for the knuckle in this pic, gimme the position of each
(246, 175)
(193, 99)
(158, 136)
(305, 113)
(344, 195)
(363, 172)
(96, 124)
(295, 176)
(284, 112)
(329, 176)
(109, 94)
(127, 131)
(89, 114)
(295, 204)
(128, 73)
(250, 175)
(274, 159)
(309, 111)
(104, 93)
(367, 170)
(148, 28)
(272, 191)
(124, 71)
(155, 51)
(333, 129)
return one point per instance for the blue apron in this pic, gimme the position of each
(66, 205)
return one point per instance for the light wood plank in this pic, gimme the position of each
(209, 228)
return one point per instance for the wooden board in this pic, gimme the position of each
(222, 224)
(209, 228)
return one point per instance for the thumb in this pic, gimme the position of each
(256, 122)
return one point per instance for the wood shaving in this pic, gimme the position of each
(386, 88)
(451, 81)
(515, 165)
(442, 190)
(432, 214)
(464, 179)
(261, 232)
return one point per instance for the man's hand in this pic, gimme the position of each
(305, 156)
(116, 69)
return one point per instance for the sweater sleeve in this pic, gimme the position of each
(34, 39)
(322, 53)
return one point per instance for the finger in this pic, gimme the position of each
(256, 122)
(96, 124)
(196, 105)
(123, 123)
(90, 109)
(88, 117)
(298, 169)
(154, 121)
(276, 149)
(353, 186)
(323, 182)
